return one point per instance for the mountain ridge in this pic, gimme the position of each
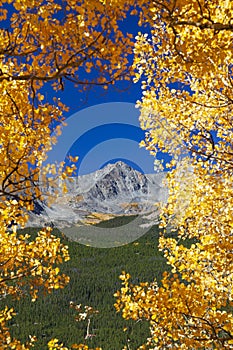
(117, 189)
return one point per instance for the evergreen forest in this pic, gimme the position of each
(94, 278)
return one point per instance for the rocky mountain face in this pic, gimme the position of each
(120, 180)
(117, 189)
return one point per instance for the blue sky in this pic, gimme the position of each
(100, 140)
(105, 139)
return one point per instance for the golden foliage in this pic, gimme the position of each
(54, 344)
(186, 108)
(45, 43)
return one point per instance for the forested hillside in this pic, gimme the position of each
(94, 278)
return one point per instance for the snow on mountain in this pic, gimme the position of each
(117, 189)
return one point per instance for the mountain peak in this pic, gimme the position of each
(117, 181)
(115, 189)
(119, 164)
